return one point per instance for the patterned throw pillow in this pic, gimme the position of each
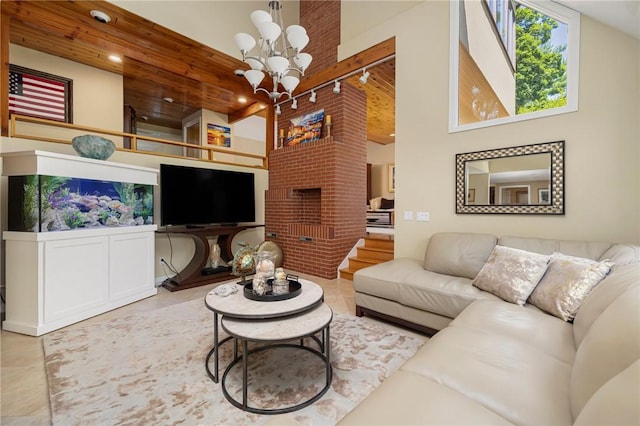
(567, 283)
(511, 274)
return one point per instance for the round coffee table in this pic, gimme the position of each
(274, 333)
(238, 306)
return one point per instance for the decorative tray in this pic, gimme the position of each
(295, 288)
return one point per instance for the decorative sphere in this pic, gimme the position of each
(243, 262)
(91, 146)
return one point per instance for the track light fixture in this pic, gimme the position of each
(365, 76)
(294, 104)
(336, 87)
(312, 99)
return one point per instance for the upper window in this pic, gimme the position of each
(511, 61)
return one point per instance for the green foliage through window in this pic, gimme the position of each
(541, 69)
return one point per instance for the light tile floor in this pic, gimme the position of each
(24, 394)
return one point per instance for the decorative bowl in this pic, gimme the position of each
(91, 146)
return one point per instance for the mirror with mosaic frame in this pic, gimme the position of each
(527, 179)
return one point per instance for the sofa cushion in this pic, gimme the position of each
(513, 379)
(404, 280)
(615, 403)
(442, 294)
(567, 283)
(411, 399)
(587, 249)
(385, 279)
(511, 274)
(620, 279)
(621, 254)
(527, 324)
(458, 254)
(386, 204)
(611, 345)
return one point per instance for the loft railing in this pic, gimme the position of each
(211, 151)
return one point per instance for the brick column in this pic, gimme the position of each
(315, 206)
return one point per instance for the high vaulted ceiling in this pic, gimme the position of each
(158, 63)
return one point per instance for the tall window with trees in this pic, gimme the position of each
(511, 61)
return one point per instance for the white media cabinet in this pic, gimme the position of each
(54, 279)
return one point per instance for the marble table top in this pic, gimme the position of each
(283, 328)
(236, 305)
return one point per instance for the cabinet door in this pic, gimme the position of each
(131, 267)
(76, 276)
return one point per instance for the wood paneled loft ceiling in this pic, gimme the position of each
(158, 63)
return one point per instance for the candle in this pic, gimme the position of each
(328, 120)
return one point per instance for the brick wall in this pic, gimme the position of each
(315, 207)
(321, 19)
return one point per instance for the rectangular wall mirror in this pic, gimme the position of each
(527, 179)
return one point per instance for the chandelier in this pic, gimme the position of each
(279, 52)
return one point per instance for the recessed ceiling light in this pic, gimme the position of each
(100, 16)
(115, 58)
(242, 100)
(168, 100)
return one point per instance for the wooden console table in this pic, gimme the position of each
(194, 274)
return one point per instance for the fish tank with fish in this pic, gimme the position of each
(39, 203)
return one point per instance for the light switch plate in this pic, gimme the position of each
(422, 216)
(408, 215)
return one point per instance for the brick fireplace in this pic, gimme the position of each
(315, 207)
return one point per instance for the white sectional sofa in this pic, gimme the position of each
(497, 362)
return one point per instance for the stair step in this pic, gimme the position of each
(359, 263)
(379, 243)
(346, 274)
(375, 253)
(375, 250)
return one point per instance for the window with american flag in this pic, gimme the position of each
(38, 94)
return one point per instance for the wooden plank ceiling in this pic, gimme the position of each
(158, 63)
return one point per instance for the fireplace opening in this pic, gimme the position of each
(308, 206)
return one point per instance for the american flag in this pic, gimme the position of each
(36, 96)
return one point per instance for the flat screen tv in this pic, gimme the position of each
(193, 196)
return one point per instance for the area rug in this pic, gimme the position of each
(149, 369)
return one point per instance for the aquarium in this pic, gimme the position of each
(40, 203)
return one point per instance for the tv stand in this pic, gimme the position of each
(195, 274)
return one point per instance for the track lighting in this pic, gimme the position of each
(312, 99)
(278, 112)
(336, 87)
(294, 104)
(365, 76)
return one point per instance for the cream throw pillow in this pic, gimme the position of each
(567, 283)
(374, 203)
(511, 274)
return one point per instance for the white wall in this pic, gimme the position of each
(603, 135)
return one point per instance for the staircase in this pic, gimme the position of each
(376, 249)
